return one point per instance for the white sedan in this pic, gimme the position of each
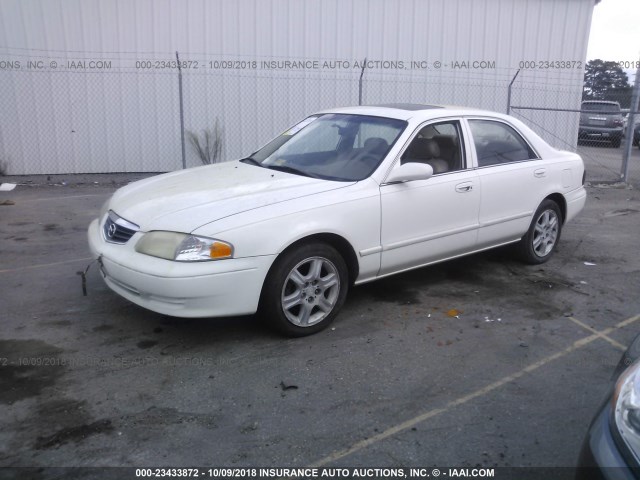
(344, 197)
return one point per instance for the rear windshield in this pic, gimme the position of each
(601, 107)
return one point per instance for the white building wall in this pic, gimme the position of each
(61, 120)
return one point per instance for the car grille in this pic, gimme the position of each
(118, 230)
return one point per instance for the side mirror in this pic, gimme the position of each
(410, 171)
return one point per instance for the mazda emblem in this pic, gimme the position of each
(111, 231)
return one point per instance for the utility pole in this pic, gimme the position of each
(184, 158)
(628, 141)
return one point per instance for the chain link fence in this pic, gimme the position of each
(114, 116)
(252, 108)
(550, 107)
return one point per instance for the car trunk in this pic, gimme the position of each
(601, 116)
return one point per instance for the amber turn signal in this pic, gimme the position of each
(220, 250)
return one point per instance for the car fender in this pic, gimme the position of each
(352, 213)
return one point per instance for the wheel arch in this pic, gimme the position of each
(559, 199)
(341, 244)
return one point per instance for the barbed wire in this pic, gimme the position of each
(418, 77)
(290, 91)
(64, 54)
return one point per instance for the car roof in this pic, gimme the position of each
(412, 107)
(405, 111)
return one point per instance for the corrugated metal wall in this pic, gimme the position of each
(63, 118)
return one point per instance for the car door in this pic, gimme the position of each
(424, 221)
(511, 177)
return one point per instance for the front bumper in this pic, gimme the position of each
(600, 457)
(182, 289)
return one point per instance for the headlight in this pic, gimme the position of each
(626, 402)
(183, 247)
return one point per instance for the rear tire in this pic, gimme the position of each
(305, 289)
(541, 239)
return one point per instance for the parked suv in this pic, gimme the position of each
(601, 120)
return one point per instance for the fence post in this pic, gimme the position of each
(628, 141)
(360, 81)
(509, 93)
(184, 158)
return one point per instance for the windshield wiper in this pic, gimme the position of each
(288, 169)
(251, 161)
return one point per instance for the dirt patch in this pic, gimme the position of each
(494, 276)
(391, 291)
(57, 323)
(73, 434)
(28, 367)
(102, 328)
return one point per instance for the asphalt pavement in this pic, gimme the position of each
(479, 361)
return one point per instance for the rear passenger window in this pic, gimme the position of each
(438, 145)
(497, 143)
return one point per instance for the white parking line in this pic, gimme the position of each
(600, 334)
(462, 400)
(44, 265)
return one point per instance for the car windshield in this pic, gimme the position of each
(340, 147)
(601, 107)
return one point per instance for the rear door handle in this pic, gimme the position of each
(539, 173)
(464, 187)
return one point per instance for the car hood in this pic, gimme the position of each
(187, 199)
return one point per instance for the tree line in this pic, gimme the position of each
(606, 80)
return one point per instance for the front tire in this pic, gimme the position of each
(305, 289)
(541, 239)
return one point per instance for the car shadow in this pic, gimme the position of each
(496, 273)
(476, 269)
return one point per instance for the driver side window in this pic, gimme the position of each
(438, 145)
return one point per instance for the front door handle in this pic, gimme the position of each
(539, 173)
(464, 187)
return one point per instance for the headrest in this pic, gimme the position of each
(375, 145)
(446, 141)
(423, 149)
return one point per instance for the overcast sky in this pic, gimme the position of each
(615, 32)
